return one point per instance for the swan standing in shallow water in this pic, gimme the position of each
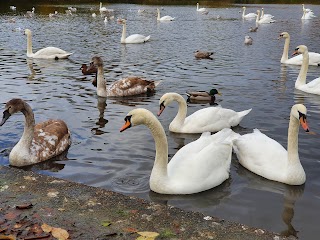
(249, 15)
(39, 142)
(125, 87)
(314, 58)
(267, 158)
(310, 87)
(210, 119)
(164, 18)
(134, 38)
(44, 53)
(196, 167)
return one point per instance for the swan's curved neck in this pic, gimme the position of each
(243, 12)
(158, 17)
(197, 6)
(258, 17)
(292, 148)
(100, 5)
(29, 45)
(302, 77)
(124, 30)
(285, 50)
(182, 112)
(161, 160)
(28, 132)
(101, 83)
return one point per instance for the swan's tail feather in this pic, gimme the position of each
(156, 83)
(244, 113)
(147, 38)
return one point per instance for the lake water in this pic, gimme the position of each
(247, 76)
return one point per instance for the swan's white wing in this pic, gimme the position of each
(211, 119)
(137, 38)
(261, 155)
(51, 52)
(314, 59)
(202, 164)
(311, 87)
(166, 18)
(250, 15)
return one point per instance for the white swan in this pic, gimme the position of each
(267, 158)
(45, 53)
(102, 9)
(128, 86)
(249, 15)
(263, 20)
(164, 18)
(39, 142)
(134, 38)
(201, 9)
(308, 10)
(310, 87)
(196, 167)
(263, 15)
(307, 15)
(210, 119)
(314, 58)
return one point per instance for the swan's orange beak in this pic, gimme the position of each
(127, 124)
(304, 124)
(162, 107)
(295, 53)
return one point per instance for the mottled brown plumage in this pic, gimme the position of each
(39, 142)
(128, 86)
(201, 54)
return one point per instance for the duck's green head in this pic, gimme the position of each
(214, 92)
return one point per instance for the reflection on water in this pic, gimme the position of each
(248, 77)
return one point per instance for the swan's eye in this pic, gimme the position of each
(296, 49)
(303, 116)
(281, 35)
(162, 105)
(128, 118)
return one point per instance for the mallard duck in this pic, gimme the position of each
(196, 167)
(88, 70)
(203, 95)
(203, 54)
(39, 142)
(253, 29)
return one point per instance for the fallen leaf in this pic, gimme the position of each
(147, 235)
(29, 178)
(12, 214)
(46, 228)
(106, 223)
(52, 194)
(24, 206)
(130, 230)
(60, 233)
(10, 237)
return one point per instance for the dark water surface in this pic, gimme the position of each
(247, 76)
